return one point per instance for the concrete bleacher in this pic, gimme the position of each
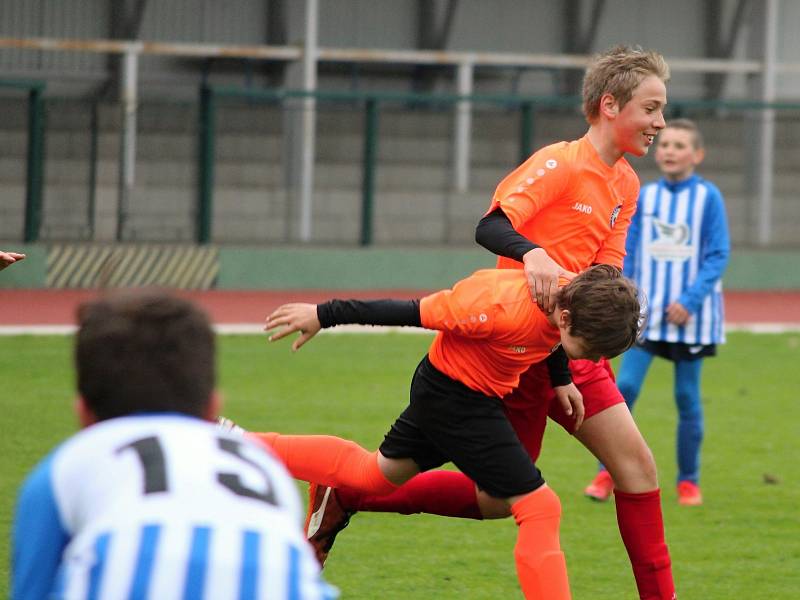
(254, 201)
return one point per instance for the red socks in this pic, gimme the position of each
(642, 529)
(329, 460)
(541, 568)
(445, 493)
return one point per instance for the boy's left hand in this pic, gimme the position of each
(571, 400)
(677, 314)
(294, 317)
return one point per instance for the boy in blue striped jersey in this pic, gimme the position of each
(151, 500)
(676, 250)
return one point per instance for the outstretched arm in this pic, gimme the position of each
(308, 319)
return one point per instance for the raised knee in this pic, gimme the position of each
(543, 504)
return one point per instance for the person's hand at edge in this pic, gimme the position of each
(9, 258)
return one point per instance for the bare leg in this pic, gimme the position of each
(397, 470)
(612, 436)
(491, 507)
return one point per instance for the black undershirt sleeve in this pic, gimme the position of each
(496, 233)
(558, 366)
(369, 312)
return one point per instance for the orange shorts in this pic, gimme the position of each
(528, 406)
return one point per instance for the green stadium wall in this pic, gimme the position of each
(288, 268)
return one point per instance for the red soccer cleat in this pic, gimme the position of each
(689, 494)
(324, 520)
(601, 487)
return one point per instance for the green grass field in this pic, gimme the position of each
(743, 543)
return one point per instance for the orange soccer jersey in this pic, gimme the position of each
(565, 199)
(490, 331)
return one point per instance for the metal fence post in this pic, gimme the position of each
(35, 170)
(129, 105)
(93, 140)
(205, 166)
(526, 131)
(368, 182)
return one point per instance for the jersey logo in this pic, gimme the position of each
(673, 233)
(518, 349)
(671, 241)
(581, 207)
(615, 214)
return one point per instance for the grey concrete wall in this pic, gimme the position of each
(415, 202)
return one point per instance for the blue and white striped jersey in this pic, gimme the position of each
(161, 507)
(677, 250)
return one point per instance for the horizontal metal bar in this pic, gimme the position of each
(160, 48)
(22, 84)
(507, 99)
(356, 55)
(343, 96)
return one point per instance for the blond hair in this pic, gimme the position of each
(618, 72)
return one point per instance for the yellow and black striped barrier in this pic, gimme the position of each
(113, 266)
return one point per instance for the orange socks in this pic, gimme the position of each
(541, 567)
(330, 461)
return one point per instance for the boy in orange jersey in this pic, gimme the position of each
(576, 214)
(567, 207)
(489, 333)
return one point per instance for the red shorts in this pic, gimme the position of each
(528, 406)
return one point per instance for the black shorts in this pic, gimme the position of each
(677, 351)
(447, 421)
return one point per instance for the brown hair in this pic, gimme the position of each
(618, 72)
(691, 127)
(604, 310)
(144, 352)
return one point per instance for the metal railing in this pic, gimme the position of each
(525, 115)
(309, 55)
(370, 103)
(35, 159)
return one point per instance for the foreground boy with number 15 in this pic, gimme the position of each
(152, 500)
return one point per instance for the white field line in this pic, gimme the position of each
(257, 328)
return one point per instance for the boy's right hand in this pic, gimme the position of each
(571, 400)
(9, 258)
(542, 273)
(294, 317)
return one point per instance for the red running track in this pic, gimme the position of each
(57, 307)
